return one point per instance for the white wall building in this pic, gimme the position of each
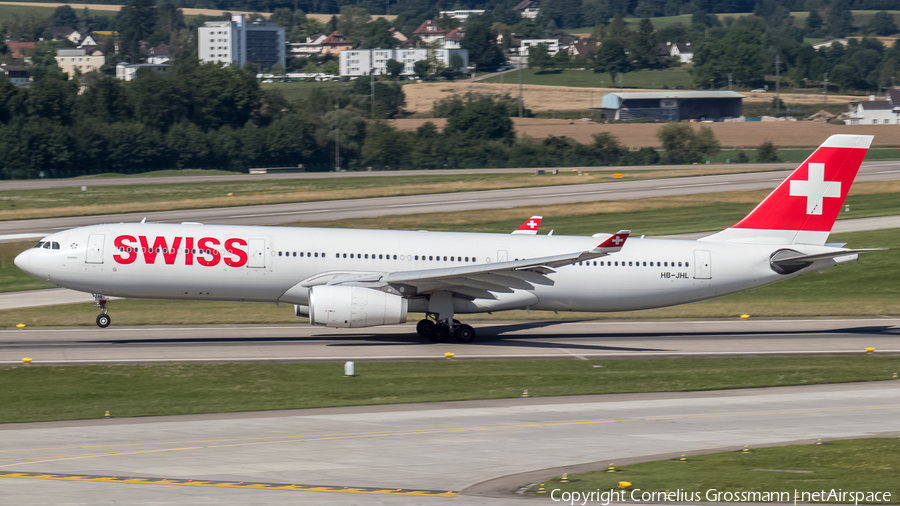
(460, 15)
(360, 62)
(128, 71)
(552, 45)
(83, 60)
(241, 41)
(876, 112)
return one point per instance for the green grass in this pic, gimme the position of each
(11, 278)
(66, 392)
(853, 465)
(673, 78)
(298, 91)
(162, 173)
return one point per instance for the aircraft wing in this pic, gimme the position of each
(479, 281)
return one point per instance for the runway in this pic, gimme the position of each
(445, 202)
(425, 454)
(577, 340)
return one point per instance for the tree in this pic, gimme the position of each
(563, 13)
(394, 68)
(814, 23)
(767, 153)
(882, 24)
(481, 119)
(378, 34)
(353, 21)
(420, 68)
(64, 15)
(277, 69)
(384, 147)
(481, 43)
(683, 145)
(644, 46)
(539, 57)
(606, 148)
(137, 20)
(840, 19)
(611, 58)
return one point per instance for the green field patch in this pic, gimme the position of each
(79, 392)
(852, 465)
(163, 173)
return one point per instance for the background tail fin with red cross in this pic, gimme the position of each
(803, 208)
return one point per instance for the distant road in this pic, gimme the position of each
(37, 184)
(447, 202)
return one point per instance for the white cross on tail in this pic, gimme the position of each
(815, 189)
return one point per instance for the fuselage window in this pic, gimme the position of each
(679, 264)
(645, 264)
(431, 258)
(367, 256)
(665, 264)
(380, 257)
(417, 257)
(629, 264)
(617, 264)
(279, 253)
(467, 259)
(317, 255)
(595, 263)
(395, 257)
(351, 255)
(687, 264)
(445, 259)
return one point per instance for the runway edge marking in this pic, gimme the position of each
(229, 484)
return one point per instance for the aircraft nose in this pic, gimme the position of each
(22, 260)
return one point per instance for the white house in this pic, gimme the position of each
(828, 43)
(460, 15)
(683, 52)
(876, 112)
(360, 62)
(82, 59)
(528, 8)
(313, 45)
(552, 45)
(128, 71)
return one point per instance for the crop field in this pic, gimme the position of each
(674, 78)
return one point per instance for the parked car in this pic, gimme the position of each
(758, 90)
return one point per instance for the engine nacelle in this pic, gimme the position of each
(354, 307)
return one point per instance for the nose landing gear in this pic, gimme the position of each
(103, 319)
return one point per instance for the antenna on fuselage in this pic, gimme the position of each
(551, 232)
(144, 220)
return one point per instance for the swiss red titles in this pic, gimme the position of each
(207, 252)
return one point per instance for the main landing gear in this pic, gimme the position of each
(103, 319)
(441, 331)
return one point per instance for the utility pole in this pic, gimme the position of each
(826, 88)
(372, 84)
(620, 81)
(729, 81)
(777, 84)
(337, 141)
(521, 113)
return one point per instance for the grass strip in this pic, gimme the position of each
(79, 392)
(870, 286)
(852, 465)
(72, 201)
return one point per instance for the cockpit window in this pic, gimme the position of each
(55, 245)
(47, 245)
(39, 245)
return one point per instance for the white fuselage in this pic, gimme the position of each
(269, 264)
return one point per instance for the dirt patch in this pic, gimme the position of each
(639, 135)
(420, 97)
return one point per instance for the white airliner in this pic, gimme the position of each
(362, 278)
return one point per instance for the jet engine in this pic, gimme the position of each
(354, 307)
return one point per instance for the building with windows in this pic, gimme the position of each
(671, 105)
(528, 9)
(83, 59)
(876, 112)
(429, 32)
(362, 62)
(17, 74)
(241, 41)
(335, 43)
(128, 71)
(552, 45)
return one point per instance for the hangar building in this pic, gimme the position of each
(671, 105)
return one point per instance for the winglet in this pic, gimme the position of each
(530, 227)
(614, 242)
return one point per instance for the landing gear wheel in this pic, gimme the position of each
(440, 334)
(424, 328)
(103, 321)
(464, 334)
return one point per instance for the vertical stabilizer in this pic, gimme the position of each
(803, 208)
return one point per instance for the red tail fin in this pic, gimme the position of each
(530, 226)
(805, 205)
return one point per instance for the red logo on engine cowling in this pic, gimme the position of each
(208, 251)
